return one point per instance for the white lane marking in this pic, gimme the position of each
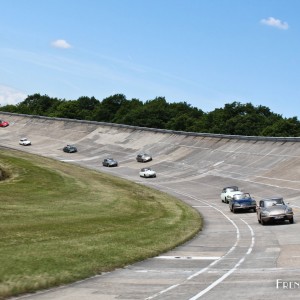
(164, 291)
(211, 264)
(188, 257)
(80, 159)
(295, 206)
(215, 283)
(227, 253)
(218, 163)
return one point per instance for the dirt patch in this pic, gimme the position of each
(3, 174)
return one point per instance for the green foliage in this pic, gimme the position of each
(234, 118)
(38, 105)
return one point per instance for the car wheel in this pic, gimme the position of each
(291, 220)
(262, 221)
(233, 210)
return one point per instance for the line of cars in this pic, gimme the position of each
(141, 157)
(108, 162)
(146, 172)
(268, 210)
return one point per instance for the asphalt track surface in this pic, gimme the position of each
(234, 257)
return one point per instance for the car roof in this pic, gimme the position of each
(272, 199)
(239, 193)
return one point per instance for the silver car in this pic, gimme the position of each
(274, 209)
(143, 157)
(109, 162)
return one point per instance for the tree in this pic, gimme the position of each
(108, 108)
(124, 114)
(234, 118)
(283, 128)
(38, 105)
(68, 109)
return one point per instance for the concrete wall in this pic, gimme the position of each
(219, 159)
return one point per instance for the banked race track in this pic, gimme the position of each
(233, 257)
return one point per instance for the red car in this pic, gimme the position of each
(3, 123)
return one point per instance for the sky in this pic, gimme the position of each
(204, 52)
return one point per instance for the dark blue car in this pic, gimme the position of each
(242, 202)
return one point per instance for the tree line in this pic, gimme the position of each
(234, 118)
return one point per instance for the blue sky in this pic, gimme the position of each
(205, 52)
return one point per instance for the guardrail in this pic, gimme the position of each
(199, 134)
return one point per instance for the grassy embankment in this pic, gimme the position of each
(60, 223)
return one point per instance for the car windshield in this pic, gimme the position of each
(273, 202)
(241, 196)
(232, 189)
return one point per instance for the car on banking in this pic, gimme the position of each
(147, 173)
(242, 202)
(3, 123)
(228, 192)
(24, 142)
(109, 162)
(70, 149)
(274, 209)
(143, 157)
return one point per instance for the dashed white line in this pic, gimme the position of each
(215, 283)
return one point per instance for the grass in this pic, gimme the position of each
(60, 223)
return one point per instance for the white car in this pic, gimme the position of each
(147, 173)
(228, 192)
(24, 142)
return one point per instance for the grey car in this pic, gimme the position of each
(109, 162)
(274, 209)
(70, 149)
(143, 157)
